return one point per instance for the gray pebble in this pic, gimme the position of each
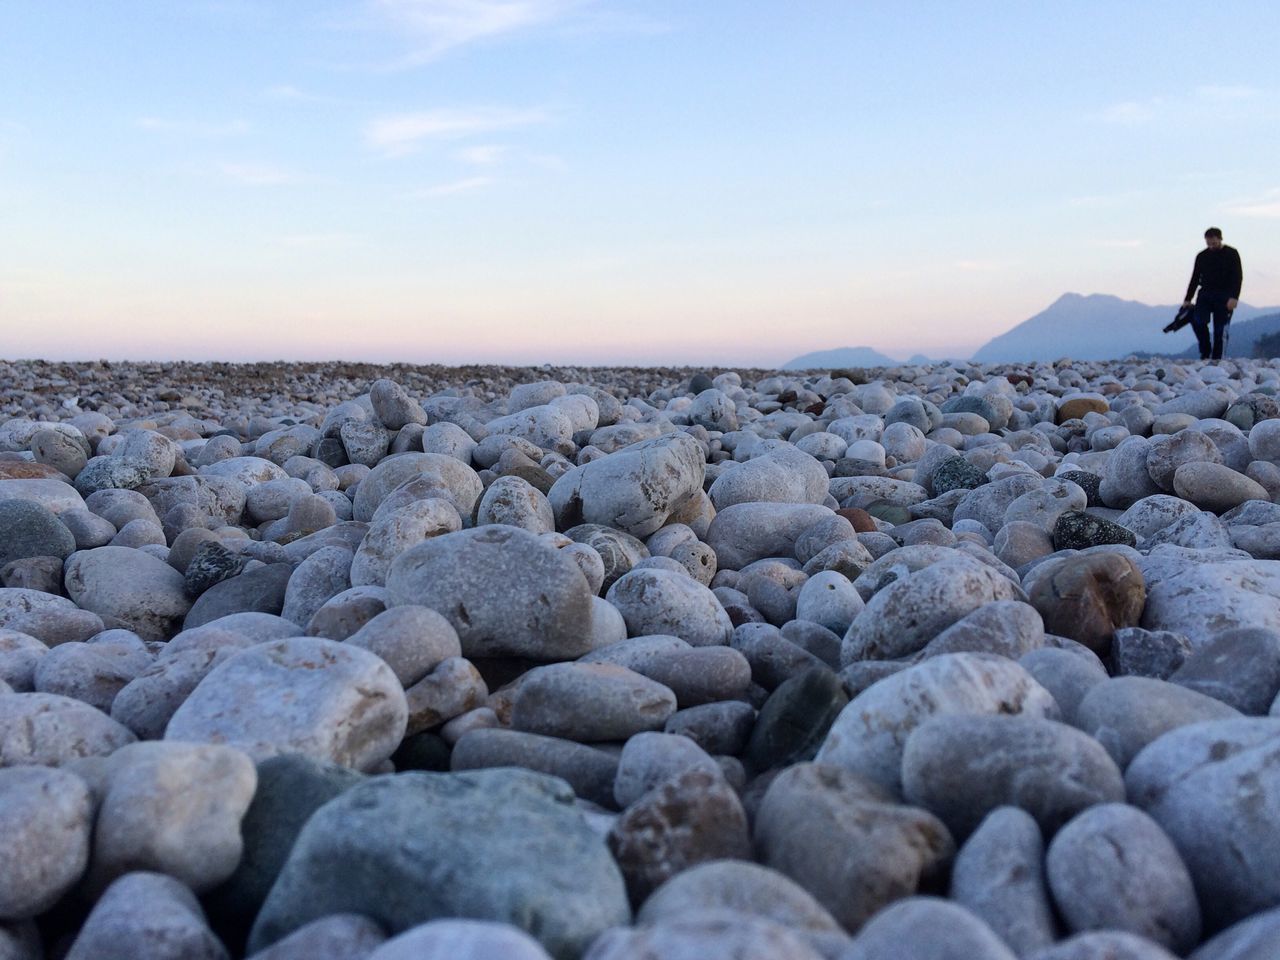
(590, 702)
(146, 915)
(1113, 868)
(963, 767)
(46, 818)
(999, 876)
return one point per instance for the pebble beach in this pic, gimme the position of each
(395, 662)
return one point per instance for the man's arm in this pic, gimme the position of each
(1237, 279)
(1195, 279)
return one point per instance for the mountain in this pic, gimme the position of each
(1102, 327)
(839, 358)
(1246, 334)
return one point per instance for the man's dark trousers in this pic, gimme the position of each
(1211, 304)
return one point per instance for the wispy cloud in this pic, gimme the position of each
(194, 128)
(438, 26)
(261, 174)
(449, 189)
(287, 91)
(404, 133)
(1266, 206)
(1131, 112)
(485, 155)
(1204, 102)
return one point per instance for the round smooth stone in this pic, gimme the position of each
(1216, 487)
(964, 767)
(46, 818)
(590, 702)
(1113, 868)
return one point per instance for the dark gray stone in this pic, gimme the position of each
(424, 751)
(1077, 530)
(1240, 667)
(795, 719)
(32, 530)
(256, 591)
(957, 473)
(503, 845)
(210, 564)
(330, 452)
(857, 677)
(816, 639)
(590, 772)
(1136, 652)
(111, 473)
(291, 787)
(773, 658)
(721, 729)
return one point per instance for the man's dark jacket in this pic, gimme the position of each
(1217, 271)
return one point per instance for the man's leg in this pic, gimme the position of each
(1220, 320)
(1200, 324)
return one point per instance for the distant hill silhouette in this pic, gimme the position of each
(840, 357)
(1102, 327)
(1248, 335)
(1093, 327)
(1268, 345)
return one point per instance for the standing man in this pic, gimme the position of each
(1218, 274)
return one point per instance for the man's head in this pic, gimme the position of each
(1213, 238)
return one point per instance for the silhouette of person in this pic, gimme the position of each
(1218, 275)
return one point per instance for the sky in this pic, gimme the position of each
(615, 181)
